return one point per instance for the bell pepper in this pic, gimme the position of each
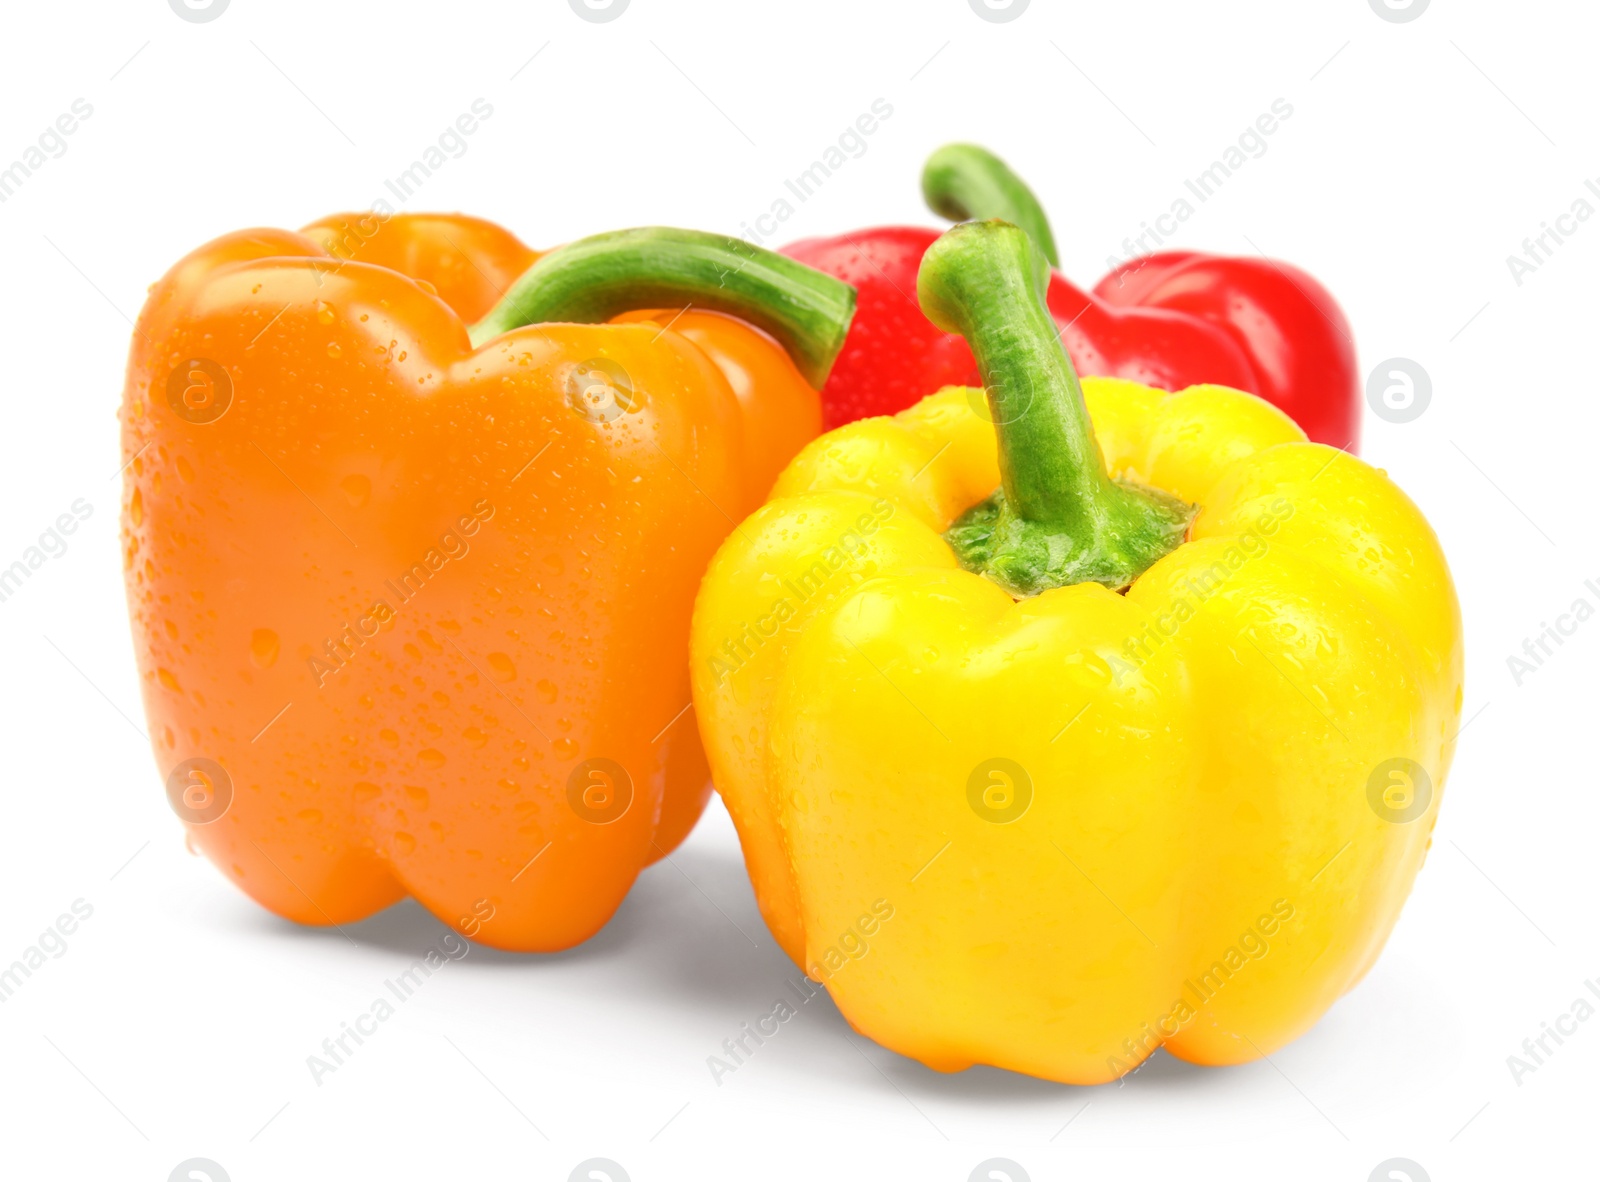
(410, 601)
(1049, 744)
(1171, 320)
(467, 262)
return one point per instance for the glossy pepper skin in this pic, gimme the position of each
(1170, 320)
(470, 263)
(406, 591)
(1099, 822)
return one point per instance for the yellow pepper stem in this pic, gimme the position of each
(1058, 517)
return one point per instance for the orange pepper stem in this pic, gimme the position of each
(594, 279)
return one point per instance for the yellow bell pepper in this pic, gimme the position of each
(1143, 750)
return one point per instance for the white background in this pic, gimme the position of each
(1419, 155)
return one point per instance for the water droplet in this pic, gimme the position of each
(565, 747)
(404, 842)
(1093, 670)
(500, 665)
(357, 489)
(310, 816)
(426, 286)
(366, 791)
(418, 796)
(136, 508)
(324, 312)
(475, 735)
(547, 690)
(389, 737)
(430, 757)
(170, 680)
(185, 471)
(334, 351)
(264, 647)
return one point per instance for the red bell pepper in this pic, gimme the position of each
(1174, 319)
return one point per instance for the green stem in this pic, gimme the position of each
(963, 182)
(594, 279)
(1058, 517)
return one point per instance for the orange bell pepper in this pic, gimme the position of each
(470, 263)
(467, 261)
(411, 605)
